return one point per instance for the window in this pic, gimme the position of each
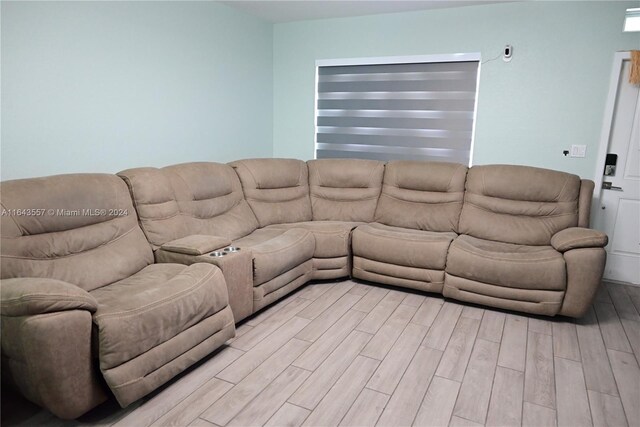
(420, 108)
(632, 20)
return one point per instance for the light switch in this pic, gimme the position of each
(578, 150)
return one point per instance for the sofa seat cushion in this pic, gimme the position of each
(507, 264)
(154, 305)
(332, 237)
(259, 236)
(276, 251)
(402, 246)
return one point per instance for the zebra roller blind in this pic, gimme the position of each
(408, 111)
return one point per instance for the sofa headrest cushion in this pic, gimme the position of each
(205, 180)
(147, 185)
(65, 202)
(345, 173)
(287, 173)
(426, 176)
(523, 183)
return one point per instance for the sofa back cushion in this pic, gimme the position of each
(344, 189)
(276, 189)
(187, 199)
(78, 228)
(210, 197)
(422, 195)
(519, 204)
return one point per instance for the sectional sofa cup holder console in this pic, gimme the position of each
(204, 245)
(226, 251)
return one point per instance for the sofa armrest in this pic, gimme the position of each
(578, 237)
(585, 267)
(196, 244)
(48, 358)
(27, 296)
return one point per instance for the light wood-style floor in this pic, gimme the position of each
(354, 354)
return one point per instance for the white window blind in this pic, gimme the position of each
(397, 111)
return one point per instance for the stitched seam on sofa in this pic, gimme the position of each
(276, 201)
(566, 182)
(288, 283)
(341, 188)
(505, 299)
(115, 218)
(370, 183)
(74, 253)
(208, 217)
(22, 230)
(255, 181)
(396, 277)
(279, 249)
(451, 179)
(427, 203)
(134, 197)
(193, 196)
(519, 215)
(506, 259)
(300, 168)
(154, 203)
(380, 233)
(508, 299)
(483, 194)
(32, 317)
(340, 233)
(577, 241)
(155, 304)
(320, 180)
(484, 183)
(496, 285)
(331, 257)
(34, 297)
(159, 218)
(304, 236)
(344, 201)
(130, 382)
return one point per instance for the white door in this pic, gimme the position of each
(618, 213)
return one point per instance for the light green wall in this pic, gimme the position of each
(103, 86)
(551, 95)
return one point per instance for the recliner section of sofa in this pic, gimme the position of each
(416, 221)
(282, 203)
(344, 189)
(79, 288)
(276, 189)
(504, 255)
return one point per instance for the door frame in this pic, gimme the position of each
(605, 135)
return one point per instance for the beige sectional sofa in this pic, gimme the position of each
(148, 289)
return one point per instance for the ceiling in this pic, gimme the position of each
(295, 10)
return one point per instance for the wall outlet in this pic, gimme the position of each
(578, 150)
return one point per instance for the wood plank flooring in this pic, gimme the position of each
(354, 354)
